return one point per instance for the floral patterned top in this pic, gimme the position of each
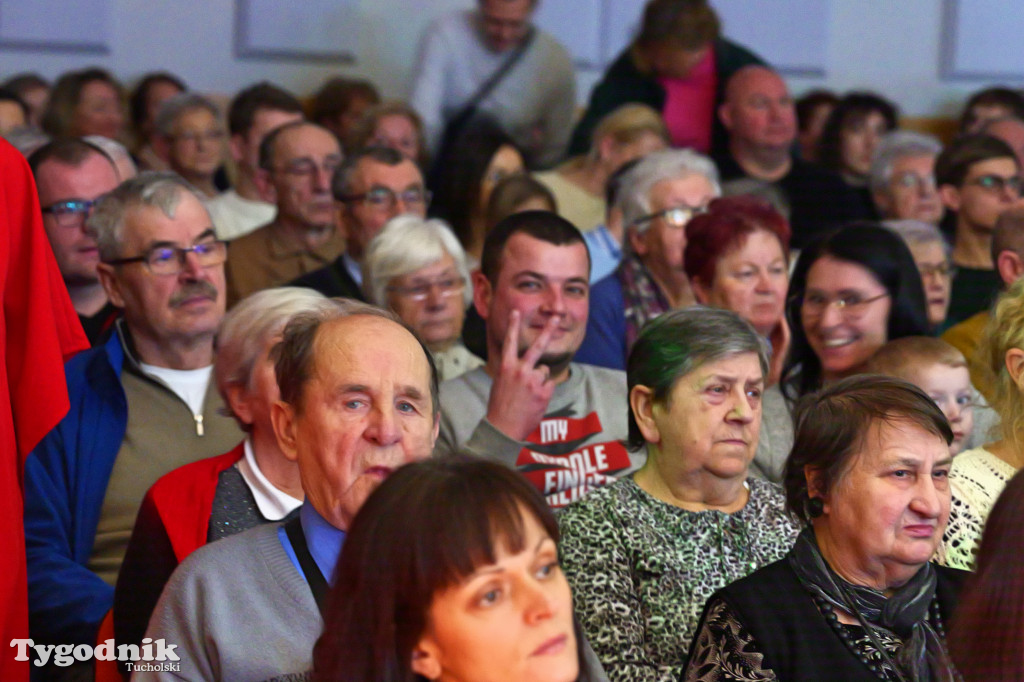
(724, 650)
(641, 570)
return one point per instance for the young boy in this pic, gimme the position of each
(939, 370)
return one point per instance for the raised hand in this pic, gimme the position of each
(522, 389)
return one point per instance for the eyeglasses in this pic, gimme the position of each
(307, 168)
(385, 198)
(70, 213)
(193, 138)
(997, 183)
(170, 260)
(677, 216)
(850, 306)
(940, 270)
(912, 180)
(419, 292)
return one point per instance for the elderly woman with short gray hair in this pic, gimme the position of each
(644, 553)
(417, 268)
(657, 197)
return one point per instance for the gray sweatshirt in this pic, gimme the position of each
(578, 446)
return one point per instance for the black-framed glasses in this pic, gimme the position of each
(677, 216)
(850, 306)
(385, 198)
(170, 260)
(447, 287)
(70, 213)
(998, 183)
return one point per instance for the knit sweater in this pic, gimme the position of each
(238, 610)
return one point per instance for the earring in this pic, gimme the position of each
(815, 507)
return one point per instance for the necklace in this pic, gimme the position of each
(848, 639)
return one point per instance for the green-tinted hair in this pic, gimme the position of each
(678, 342)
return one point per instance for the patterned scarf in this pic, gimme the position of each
(643, 298)
(923, 656)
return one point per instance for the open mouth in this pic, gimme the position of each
(381, 472)
(839, 342)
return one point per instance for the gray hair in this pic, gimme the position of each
(160, 189)
(248, 327)
(895, 145)
(918, 233)
(175, 106)
(404, 245)
(293, 356)
(344, 177)
(667, 164)
(117, 152)
(674, 344)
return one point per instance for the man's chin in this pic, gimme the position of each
(556, 362)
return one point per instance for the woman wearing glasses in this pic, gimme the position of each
(658, 198)
(851, 291)
(417, 268)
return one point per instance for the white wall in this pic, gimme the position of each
(891, 47)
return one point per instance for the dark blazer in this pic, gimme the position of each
(332, 281)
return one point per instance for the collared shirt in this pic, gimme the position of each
(353, 268)
(323, 539)
(266, 258)
(273, 504)
(605, 252)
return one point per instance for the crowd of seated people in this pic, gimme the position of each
(704, 383)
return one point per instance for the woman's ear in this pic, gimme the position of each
(425, 659)
(814, 486)
(1015, 364)
(641, 401)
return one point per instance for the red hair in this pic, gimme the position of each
(726, 226)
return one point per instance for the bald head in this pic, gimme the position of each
(758, 111)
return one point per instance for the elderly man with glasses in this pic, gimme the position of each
(902, 178)
(70, 176)
(371, 187)
(297, 161)
(658, 197)
(141, 405)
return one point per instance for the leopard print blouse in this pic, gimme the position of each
(641, 570)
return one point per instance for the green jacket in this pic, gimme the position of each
(624, 82)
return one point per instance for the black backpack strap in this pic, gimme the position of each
(314, 577)
(496, 77)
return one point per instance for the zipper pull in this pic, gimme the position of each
(199, 424)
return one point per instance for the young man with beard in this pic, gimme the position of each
(531, 407)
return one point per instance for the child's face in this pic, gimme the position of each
(950, 388)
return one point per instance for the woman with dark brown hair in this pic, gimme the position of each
(87, 102)
(857, 598)
(450, 572)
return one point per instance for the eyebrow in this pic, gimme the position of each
(494, 568)
(164, 243)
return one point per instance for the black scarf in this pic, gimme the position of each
(923, 656)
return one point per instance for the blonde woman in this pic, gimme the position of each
(980, 474)
(629, 132)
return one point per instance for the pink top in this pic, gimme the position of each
(690, 105)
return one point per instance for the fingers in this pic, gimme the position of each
(510, 347)
(540, 344)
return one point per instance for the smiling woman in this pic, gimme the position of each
(424, 590)
(851, 292)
